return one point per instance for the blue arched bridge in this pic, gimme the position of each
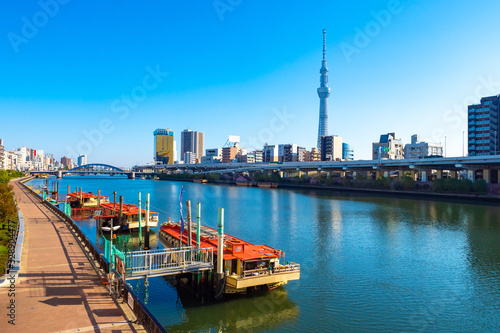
(90, 169)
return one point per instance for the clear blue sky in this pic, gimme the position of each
(232, 65)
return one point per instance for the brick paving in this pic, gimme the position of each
(58, 289)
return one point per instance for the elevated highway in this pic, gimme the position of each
(485, 165)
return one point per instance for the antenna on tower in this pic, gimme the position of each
(324, 44)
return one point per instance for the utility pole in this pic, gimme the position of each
(463, 143)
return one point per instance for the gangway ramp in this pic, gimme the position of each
(171, 261)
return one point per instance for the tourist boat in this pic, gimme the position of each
(201, 181)
(130, 215)
(267, 184)
(248, 267)
(85, 200)
(242, 181)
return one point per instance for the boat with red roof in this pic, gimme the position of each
(247, 266)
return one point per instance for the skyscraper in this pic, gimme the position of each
(192, 142)
(164, 146)
(82, 160)
(323, 93)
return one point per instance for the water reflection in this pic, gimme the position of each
(240, 314)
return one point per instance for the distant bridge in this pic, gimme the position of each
(90, 169)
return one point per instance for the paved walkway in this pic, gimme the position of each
(58, 289)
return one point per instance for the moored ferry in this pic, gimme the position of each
(130, 215)
(85, 200)
(247, 267)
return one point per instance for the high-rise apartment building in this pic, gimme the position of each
(331, 148)
(164, 146)
(483, 127)
(66, 162)
(192, 141)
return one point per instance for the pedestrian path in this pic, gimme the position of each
(58, 289)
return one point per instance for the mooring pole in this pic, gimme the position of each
(188, 209)
(146, 238)
(120, 214)
(220, 244)
(220, 256)
(98, 198)
(140, 219)
(198, 225)
(114, 203)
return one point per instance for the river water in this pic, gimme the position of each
(368, 264)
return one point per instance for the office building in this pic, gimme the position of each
(301, 154)
(229, 154)
(192, 141)
(66, 162)
(213, 155)
(421, 149)
(270, 153)
(331, 148)
(483, 127)
(347, 152)
(164, 146)
(82, 160)
(2, 155)
(189, 158)
(388, 148)
(259, 155)
(287, 153)
(323, 93)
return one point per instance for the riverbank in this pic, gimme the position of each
(291, 184)
(397, 193)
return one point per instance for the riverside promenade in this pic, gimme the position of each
(58, 289)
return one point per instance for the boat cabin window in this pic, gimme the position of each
(256, 264)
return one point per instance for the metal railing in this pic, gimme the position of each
(167, 261)
(287, 268)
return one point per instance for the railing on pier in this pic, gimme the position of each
(167, 262)
(84, 213)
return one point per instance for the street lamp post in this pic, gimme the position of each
(111, 228)
(463, 143)
(445, 146)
